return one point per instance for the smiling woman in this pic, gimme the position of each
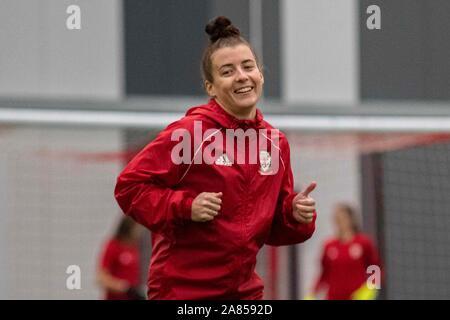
(231, 71)
(209, 219)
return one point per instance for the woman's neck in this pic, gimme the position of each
(346, 235)
(244, 114)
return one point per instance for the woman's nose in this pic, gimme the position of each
(241, 75)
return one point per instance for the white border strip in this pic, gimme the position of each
(283, 122)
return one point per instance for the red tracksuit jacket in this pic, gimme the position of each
(216, 259)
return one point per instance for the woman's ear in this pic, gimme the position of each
(210, 89)
(262, 77)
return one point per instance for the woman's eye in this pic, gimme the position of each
(248, 67)
(226, 72)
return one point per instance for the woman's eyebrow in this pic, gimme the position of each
(230, 65)
(226, 65)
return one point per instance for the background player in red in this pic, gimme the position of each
(345, 260)
(209, 219)
(119, 270)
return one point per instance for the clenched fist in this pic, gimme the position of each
(206, 206)
(304, 206)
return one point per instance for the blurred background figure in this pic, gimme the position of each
(119, 268)
(345, 260)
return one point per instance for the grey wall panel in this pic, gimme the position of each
(438, 84)
(392, 59)
(164, 41)
(236, 10)
(408, 57)
(271, 48)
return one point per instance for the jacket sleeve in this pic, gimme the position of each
(146, 191)
(285, 229)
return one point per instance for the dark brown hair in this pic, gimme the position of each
(351, 213)
(125, 229)
(222, 33)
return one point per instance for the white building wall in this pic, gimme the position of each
(320, 51)
(40, 57)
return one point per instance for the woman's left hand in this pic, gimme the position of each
(303, 205)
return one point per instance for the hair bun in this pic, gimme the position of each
(221, 27)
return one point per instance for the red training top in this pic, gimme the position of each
(121, 261)
(344, 266)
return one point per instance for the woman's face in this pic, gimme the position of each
(342, 220)
(237, 80)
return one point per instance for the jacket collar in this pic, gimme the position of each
(229, 121)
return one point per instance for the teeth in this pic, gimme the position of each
(244, 90)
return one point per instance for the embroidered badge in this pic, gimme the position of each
(265, 163)
(223, 161)
(355, 251)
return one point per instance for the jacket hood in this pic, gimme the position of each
(215, 112)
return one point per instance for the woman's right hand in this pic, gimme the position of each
(206, 206)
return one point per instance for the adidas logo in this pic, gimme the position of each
(223, 161)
